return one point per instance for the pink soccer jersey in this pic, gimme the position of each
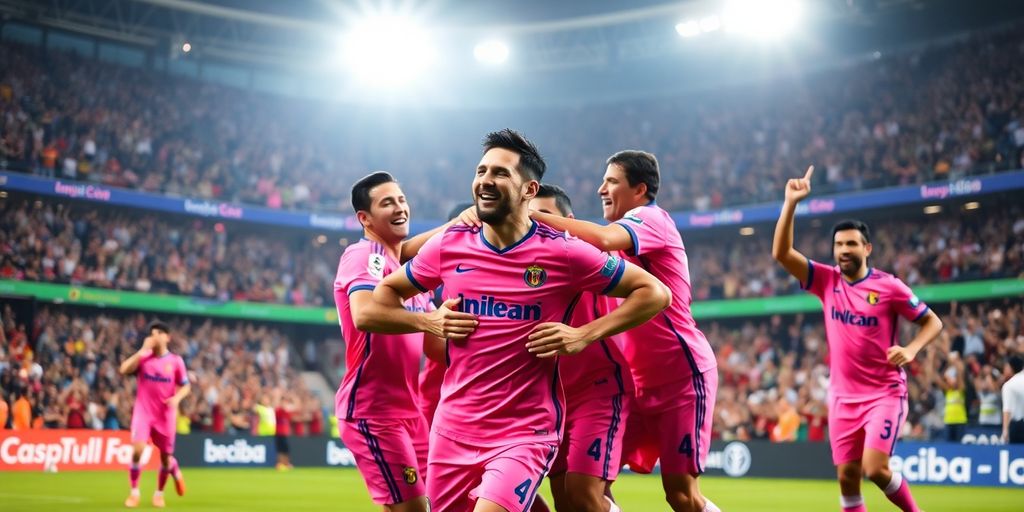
(669, 348)
(157, 378)
(600, 369)
(495, 392)
(860, 324)
(381, 376)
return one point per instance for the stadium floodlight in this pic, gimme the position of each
(710, 24)
(762, 19)
(186, 47)
(688, 28)
(491, 52)
(932, 209)
(387, 50)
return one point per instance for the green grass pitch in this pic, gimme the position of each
(342, 490)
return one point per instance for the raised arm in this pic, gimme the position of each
(612, 237)
(128, 366)
(645, 297)
(782, 246)
(412, 246)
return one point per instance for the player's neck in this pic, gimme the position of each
(861, 274)
(509, 232)
(393, 248)
(160, 351)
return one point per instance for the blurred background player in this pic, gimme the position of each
(497, 428)
(1013, 402)
(598, 392)
(162, 382)
(376, 403)
(673, 367)
(868, 387)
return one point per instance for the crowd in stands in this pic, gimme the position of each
(68, 377)
(124, 249)
(50, 241)
(945, 111)
(773, 371)
(987, 243)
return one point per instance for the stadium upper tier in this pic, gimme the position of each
(948, 111)
(59, 241)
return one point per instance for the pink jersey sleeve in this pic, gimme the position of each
(180, 372)
(424, 270)
(593, 270)
(646, 226)
(904, 302)
(361, 268)
(819, 278)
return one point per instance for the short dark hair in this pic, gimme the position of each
(530, 162)
(361, 189)
(844, 225)
(160, 326)
(458, 209)
(640, 167)
(1017, 363)
(562, 200)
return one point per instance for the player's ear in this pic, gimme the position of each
(364, 218)
(530, 190)
(640, 191)
(867, 249)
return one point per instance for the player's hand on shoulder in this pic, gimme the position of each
(551, 339)
(799, 188)
(899, 356)
(447, 323)
(469, 217)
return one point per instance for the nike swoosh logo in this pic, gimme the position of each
(460, 270)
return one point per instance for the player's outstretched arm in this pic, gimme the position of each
(931, 326)
(645, 297)
(128, 366)
(782, 246)
(385, 313)
(607, 238)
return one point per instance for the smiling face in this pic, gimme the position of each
(851, 251)
(499, 190)
(388, 216)
(617, 196)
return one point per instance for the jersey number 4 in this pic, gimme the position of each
(523, 490)
(686, 447)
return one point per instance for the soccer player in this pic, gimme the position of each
(162, 383)
(376, 403)
(598, 391)
(868, 388)
(674, 370)
(497, 428)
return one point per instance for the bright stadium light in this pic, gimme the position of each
(385, 50)
(762, 19)
(688, 28)
(710, 24)
(491, 52)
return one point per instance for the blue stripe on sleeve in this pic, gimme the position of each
(412, 279)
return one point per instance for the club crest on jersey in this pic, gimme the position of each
(410, 475)
(535, 276)
(872, 298)
(375, 265)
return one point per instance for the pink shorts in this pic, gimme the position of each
(508, 475)
(856, 425)
(594, 427)
(676, 419)
(162, 436)
(391, 454)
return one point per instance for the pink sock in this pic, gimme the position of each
(898, 492)
(133, 475)
(161, 480)
(852, 503)
(174, 469)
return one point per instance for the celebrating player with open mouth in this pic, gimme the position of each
(868, 388)
(497, 428)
